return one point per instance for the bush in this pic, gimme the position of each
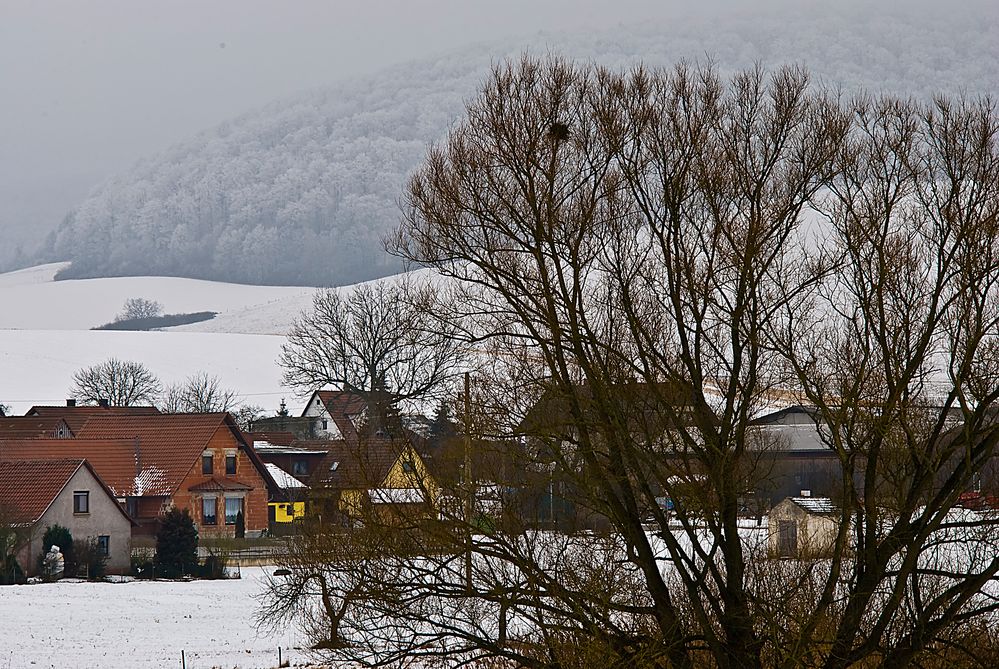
(142, 563)
(91, 562)
(57, 535)
(10, 571)
(153, 322)
(176, 545)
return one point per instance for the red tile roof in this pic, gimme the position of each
(166, 445)
(30, 427)
(137, 454)
(28, 487)
(114, 461)
(219, 485)
(77, 416)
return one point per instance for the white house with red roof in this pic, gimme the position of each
(37, 494)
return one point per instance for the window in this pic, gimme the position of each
(325, 424)
(233, 505)
(299, 467)
(230, 463)
(132, 506)
(104, 545)
(206, 463)
(333, 466)
(208, 511)
(408, 466)
(81, 501)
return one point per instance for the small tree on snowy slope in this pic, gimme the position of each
(139, 307)
(176, 544)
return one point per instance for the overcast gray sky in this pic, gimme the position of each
(86, 88)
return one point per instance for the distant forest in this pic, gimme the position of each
(303, 191)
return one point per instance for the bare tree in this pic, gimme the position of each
(652, 258)
(375, 337)
(118, 382)
(200, 393)
(139, 307)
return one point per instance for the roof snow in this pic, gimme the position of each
(821, 505)
(283, 478)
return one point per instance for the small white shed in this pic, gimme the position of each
(803, 527)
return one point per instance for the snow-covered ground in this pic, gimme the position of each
(141, 624)
(32, 300)
(45, 333)
(36, 366)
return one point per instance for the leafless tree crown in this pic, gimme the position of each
(386, 336)
(201, 393)
(118, 382)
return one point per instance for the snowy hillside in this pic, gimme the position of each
(304, 190)
(45, 333)
(32, 300)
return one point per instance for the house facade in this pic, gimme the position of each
(37, 494)
(198, 462)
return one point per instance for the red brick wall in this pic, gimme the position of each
(254, 501)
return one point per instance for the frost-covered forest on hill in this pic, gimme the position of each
(302, 192)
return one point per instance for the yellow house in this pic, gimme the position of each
(378, 475)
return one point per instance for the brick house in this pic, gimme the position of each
(36, 494)
(198, 462)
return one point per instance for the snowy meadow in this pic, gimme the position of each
(140, 624)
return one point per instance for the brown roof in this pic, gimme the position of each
(219, 485)
(30, 427)
(354, 466)
(114, 460)
(275, 438)
(28, 487)
(77, 416)
(343, 406)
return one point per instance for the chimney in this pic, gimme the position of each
(70, 403)
(806, 493)
(103, 403)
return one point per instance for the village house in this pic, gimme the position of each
(37, 494)
(298, 457)
(374, 475)
(198, 462)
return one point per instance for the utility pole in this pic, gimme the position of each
(469, 484)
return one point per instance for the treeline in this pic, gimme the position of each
(303, 192)
(153, 322)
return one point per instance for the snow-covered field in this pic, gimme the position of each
(32, 300)
(141, 624)
(45, 333)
